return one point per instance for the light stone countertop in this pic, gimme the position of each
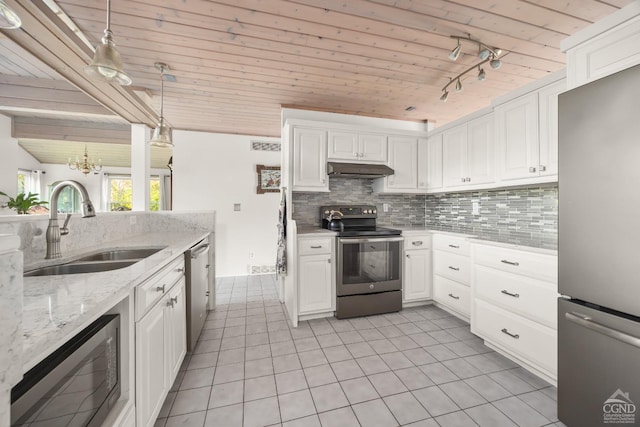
(311, 231)
(58, 307)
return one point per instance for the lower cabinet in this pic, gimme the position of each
(316, 275)
(160, 342)
(515, 305)
(416, 283)
(451, 267)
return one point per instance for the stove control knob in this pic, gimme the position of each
(366, 211)
(374, 212)
(327, 212)
(371, 286)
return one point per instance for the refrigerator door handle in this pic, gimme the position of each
(605, 330)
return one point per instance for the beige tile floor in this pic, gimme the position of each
(419, 367)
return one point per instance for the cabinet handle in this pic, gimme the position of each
(504, 261)
(504, 291)
(453, 296)
(174, 300)
(180, 270)
(468, 179)
(408, 256)
(207, 293)
(543, 168)
(532, 169)
(505, 331)
(207, 266)
(417, 243)
(160, 288)
(316, 247)
(454, 268)
(329, 261)
(454, 246)
(463, 179)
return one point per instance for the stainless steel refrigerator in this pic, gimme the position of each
(599, 252)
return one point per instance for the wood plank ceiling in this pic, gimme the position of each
(237, 62)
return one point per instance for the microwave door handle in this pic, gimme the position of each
(605, 330)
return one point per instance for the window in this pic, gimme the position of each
(120, 193)
(69, 200)
(28, 181)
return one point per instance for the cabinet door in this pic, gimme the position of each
(373, 148)
(417, 275)
(343, 146)
(548, 99)
(454, 154)
(403, 159)
(517, 143)
(176, 331)
(480, 154)
(310, 160)
(315, 283)
(434, 159)
(423, 164)
(150, 366)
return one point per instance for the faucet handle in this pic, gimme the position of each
(65, 230)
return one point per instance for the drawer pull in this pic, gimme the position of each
(504, 291)
(453, 296)
(454, 246)
(505, 331)
(180, 270)
(504, 261)
(329, 261)
(316, 247)
(417, 243)
(174, 300)
(454, 268)
(160, 288)
(408, 256)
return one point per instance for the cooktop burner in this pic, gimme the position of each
(357, 220)
(370, 231)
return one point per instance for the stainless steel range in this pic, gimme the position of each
(369, 261)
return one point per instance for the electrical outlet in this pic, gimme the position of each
(475, 208)
(251, 254)
(385, 207)
(236, 207)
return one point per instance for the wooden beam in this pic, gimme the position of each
(43, 35)
(70, 130)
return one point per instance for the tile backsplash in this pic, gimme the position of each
(404, 209)
(519, 214)
(515, 213)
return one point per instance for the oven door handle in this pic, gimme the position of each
(369, 240)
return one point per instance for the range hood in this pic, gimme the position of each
(358, 170)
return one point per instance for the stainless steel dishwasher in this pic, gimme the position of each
(197, 276)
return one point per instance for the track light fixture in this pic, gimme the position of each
(485, 54)
(9, 19)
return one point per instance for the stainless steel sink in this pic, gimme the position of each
(120, 254)
(82, 267)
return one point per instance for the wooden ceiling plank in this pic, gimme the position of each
(587, 10)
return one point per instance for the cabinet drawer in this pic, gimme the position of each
(148, 293)
(528, 297)
(452, 294)
(417, 241)
(528, 340)
(457, 245)
(453, 266)
(314, 246)
(537, 266)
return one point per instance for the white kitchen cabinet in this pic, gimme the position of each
(514, 308)
(467, 154)
(423, 164)
(451, 270)
(527, 136)
(160, 340)
(357, 147)
(310, 160)
(316, 275)
(604, 48)
(417, 268)
(434, 162)
(403, 159)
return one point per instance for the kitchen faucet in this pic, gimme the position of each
(53, 230)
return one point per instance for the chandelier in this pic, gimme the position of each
(85, 166)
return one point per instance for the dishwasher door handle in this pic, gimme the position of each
(199, 250)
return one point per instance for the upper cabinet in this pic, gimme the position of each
(526, 132)
(604, 48)
(434, 162)
(467, 154)
(310, 159)
(358, 147)
(408, 157)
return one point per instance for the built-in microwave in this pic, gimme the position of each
(77, 385)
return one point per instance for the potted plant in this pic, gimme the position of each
(23, 202)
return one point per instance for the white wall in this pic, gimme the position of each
(214, 171)
(12, 158)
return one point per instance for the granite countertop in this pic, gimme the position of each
(58, 307)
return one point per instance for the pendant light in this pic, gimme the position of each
(106, 63)
(9, 20)
(162, 133)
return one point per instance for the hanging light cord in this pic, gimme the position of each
(162, 93)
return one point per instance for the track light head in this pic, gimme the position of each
(481, 74)
(484, 54)
(495, 63)
(455, 53)
(458, 85)
(444, 96)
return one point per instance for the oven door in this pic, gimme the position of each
(368, 265)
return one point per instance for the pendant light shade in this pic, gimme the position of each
(162, 133)
(106, 63)
(9, 20)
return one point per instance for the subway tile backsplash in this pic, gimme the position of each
(513, 214)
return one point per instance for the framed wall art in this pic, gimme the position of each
(268, 179)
